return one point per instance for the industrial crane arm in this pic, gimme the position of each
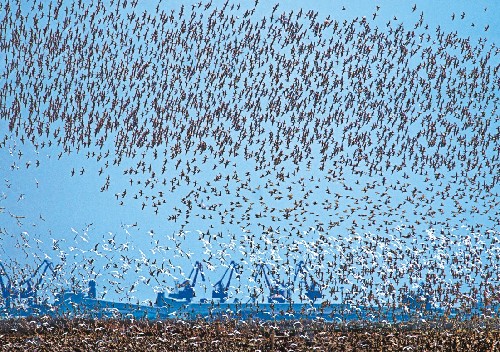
(199, 269)
(31, 289)
(298, 269)
(5, 287)
(261, 270)
(230, 276)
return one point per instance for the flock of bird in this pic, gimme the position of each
(371, 153)
(233, 335)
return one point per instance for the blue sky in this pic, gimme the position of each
(48, 212)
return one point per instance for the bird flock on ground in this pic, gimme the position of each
(370, 152)
(80, 334)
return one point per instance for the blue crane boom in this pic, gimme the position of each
(7, 290)
(187, 287)
(199, 270)
(419, 300)
(277, 293)
(312, 292)
(220, 291)
(31, 289)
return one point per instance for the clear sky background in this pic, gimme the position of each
(52, 205)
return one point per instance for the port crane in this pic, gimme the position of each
(418, 300)
(7, 290)
(220, 290)
(278, 293)
(185, 290)
(312, 291)
(28, 288)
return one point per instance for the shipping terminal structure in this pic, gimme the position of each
(21, 300)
